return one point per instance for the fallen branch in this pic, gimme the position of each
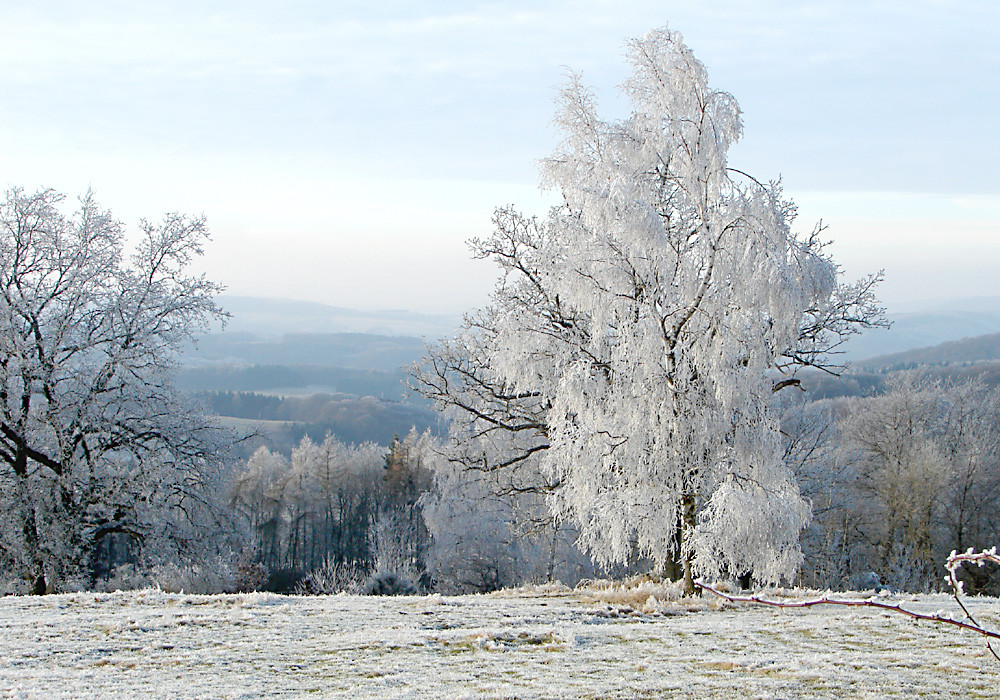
(859, 602)
(954, 561)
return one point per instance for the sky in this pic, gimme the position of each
(343, 152)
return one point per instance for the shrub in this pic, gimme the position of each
(388, 583)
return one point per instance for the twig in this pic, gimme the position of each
(971, 625)
(955, 561)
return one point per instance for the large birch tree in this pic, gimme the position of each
(636, 336)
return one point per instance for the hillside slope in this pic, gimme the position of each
(928, 324)
(983, 348)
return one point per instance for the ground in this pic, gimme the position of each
(528, 644)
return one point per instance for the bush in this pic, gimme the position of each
(388, 583)
(212, 577)
(332, 577)
(250, 576)
(285, 581)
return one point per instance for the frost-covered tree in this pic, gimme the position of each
(486, 535)
(629, 356)
(901, 475)
(924, 460)
(828, 481)
(333, 508)
(970, 449)
(94, 440)
(312, 508)
(400, 536)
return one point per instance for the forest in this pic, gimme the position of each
(896, 479)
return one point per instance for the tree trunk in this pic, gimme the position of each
(551, 565)
(672, 569)
(687, 528)
(32, 543)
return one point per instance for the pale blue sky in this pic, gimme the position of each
(343, 151)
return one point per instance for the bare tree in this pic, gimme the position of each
(94, 439)
(925, 464)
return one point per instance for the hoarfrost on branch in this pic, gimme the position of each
(94, 440)
(625, 366)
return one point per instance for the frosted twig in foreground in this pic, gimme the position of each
(971, 625)
(955, 560)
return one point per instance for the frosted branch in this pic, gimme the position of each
(954, 562)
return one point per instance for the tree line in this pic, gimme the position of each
(285, 420)
(895, 481)
(332, 509)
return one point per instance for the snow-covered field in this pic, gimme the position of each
(151, 643)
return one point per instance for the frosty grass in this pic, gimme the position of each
(530, 643)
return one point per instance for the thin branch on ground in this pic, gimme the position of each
(954, 561)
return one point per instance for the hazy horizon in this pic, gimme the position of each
(919, 306)
(343, 153)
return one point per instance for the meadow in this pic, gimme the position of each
(540, 643)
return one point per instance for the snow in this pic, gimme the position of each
(553, 643)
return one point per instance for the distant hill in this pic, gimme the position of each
(984, 348)
(928, 324)
(297, 380)
(284, 369)
(954, 361)
(281, 422)
(361, 351)
(294, 347)
(271, 318)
